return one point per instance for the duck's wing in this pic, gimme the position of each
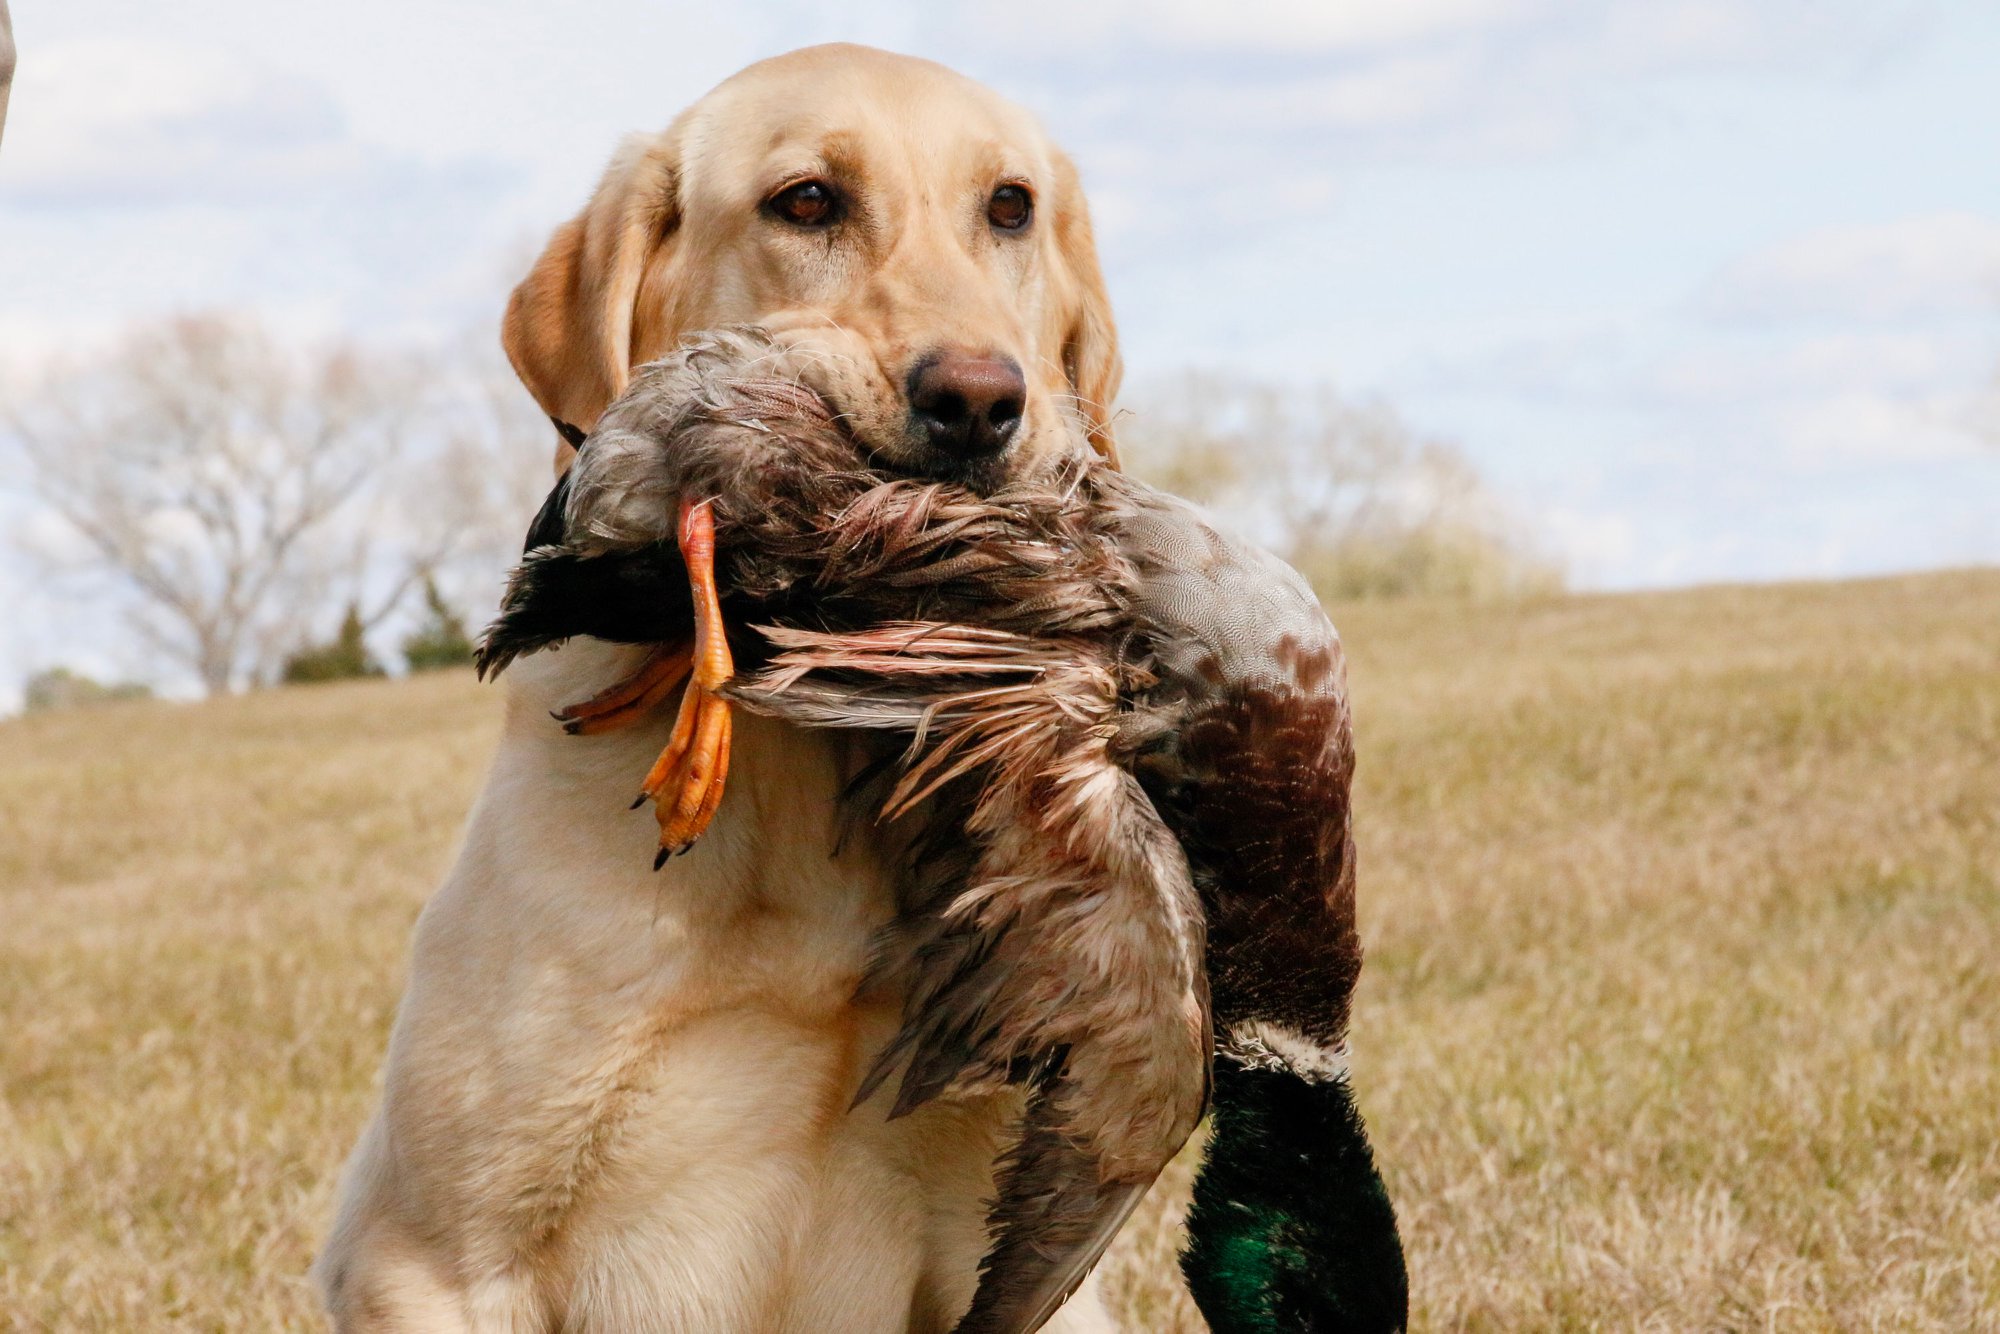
(1051, 937)
(1247, 748)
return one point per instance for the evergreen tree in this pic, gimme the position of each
(441, 640)
(343, 658)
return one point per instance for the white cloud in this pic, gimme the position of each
(1661, 34)
(1915, 267)
(146, 175)
(125, 123)
(1317, 25)
(1403, 90)
(1589, 542)
(1287, 27)
(1861, 426)
(1823, 404)
(1612, 31)
(1731, 368)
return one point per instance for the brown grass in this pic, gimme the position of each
(1682, 1008)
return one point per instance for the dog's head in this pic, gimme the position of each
(917, 238)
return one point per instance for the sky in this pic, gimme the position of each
(1708, 290)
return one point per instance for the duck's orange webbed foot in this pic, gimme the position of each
(659, 675)
(686, 782)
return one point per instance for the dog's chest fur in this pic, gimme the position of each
(618, 1099)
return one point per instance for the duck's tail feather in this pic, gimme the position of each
(1052, 1220)
(631, 597)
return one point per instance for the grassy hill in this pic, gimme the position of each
(1682, 1007)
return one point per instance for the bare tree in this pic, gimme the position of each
(1349, 493)
(237, 488)
(487, 471)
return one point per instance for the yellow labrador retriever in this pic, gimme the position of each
(617, 1100)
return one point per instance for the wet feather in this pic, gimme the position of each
(1121, 762)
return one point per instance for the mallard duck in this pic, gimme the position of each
(1122, 774)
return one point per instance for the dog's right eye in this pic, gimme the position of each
(806, 204)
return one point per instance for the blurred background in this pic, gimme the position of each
(1513, 293)
(1621, 371)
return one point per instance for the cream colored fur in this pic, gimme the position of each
(617, 1100)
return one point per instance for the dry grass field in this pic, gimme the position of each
(1682, 1008)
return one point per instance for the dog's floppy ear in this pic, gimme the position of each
(1087, 335)
(569, 325)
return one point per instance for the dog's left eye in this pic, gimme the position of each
(807, 204)
(1010, 208)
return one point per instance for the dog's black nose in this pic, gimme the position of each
(967, 406)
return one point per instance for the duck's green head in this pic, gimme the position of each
(1292, 1229)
